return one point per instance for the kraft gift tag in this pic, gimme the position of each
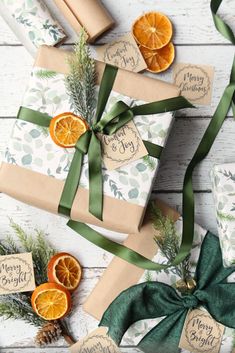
(201, 333)
(195, 82)
(16, 273)
(96, 342)
(124, 53)
(123, 147)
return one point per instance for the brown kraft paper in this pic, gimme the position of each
(113, 282)
(44, 192)
(90, 14)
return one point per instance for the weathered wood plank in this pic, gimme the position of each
(14, 76)
(192, 20)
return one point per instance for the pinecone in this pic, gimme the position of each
(49, 333)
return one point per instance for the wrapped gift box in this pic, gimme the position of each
(34, 167)
(121, 275)
(32, 23)
(223, 187)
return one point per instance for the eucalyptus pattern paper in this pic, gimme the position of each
(32, 22)
(31, 146)
(170, 276)
(223, 187)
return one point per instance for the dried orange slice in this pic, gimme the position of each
(160, 59)
(66, 128)
(51, 301)
(64, 269)
(153, 30)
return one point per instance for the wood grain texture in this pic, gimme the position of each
(14, 76)
(192, 20)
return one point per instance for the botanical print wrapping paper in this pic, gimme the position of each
(34, 22)
(223, 187)
(137, 331)
(31, 146)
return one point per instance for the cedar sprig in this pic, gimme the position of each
(81, 80)
(40, 249)
(169, 241)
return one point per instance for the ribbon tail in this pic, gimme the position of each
(165, 336)
(71, 184)
(95, 178)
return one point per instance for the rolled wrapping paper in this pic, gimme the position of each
(223, 188)
(90, 14)
(34, 168)
(121, 275)
(32, 23)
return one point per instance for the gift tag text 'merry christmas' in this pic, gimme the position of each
(195, 82)
(123, 147)
(201, 333)
(96, 342)
(16, 273)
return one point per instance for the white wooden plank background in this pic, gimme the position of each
(196, 41)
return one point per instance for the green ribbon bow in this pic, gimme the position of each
(155, 299)
(119, 115)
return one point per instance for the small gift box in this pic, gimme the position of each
(192, 282)
(32, 23)
(89, 14)
(35, 168)
(223, 188)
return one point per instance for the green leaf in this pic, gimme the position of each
(141, 167)
(133, 193)
(35, 133)
(27, 159)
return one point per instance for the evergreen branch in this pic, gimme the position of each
(168, 241)
(81, 80)
(17, 306)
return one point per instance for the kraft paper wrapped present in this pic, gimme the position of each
(32, 23)
(223, 188)
(34, 167)
(121, 275)
(89, 14)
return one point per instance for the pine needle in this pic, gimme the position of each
(81, 80)
(169, 241)
(45, 74)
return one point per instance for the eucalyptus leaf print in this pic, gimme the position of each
(35, 21)
(223, 187)
(31, 146)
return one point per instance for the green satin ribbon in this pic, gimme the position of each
(188, 194)
(227, 32)
(152, 300)
(119, 115)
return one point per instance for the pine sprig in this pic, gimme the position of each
(81, 80)
(40, 249)
(17, 307)
(169, 241)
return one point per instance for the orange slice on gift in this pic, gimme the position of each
(153, 30)
(51, 301)
(65, 269)
(65, 129)
(158, 60)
